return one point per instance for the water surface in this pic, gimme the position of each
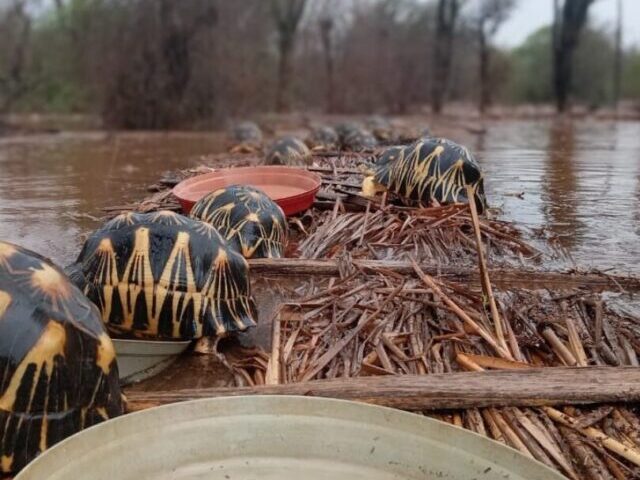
(580, 181)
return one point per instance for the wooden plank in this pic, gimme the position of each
(504, 278)
(497, 388)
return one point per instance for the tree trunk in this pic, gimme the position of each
(445, 24)
(566, 33)
(617, 67)
(15, 85)
(284, 74)
(562, 77)
(485, 92)
(326, 27)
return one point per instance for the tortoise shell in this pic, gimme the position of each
(431, 169)
(57, 363)
(323, 138)
(246, 133)
(163, 275)
(359, 140)
(345, 128)
(250, 221)
(289, 151)
(381, 128)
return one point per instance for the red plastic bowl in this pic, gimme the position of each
(294, 189)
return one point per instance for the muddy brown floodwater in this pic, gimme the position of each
(580, 181)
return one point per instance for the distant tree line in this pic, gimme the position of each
(184, 63)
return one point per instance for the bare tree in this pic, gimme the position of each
(16, 27)
(287, 15)
(446, 18)
(488, 18)
(568, 22)
(153, 67)
(617, 60)
(327, 28)
(196, 63)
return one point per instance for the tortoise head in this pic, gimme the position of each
(376, 177)
(370, 187)
(385, 162)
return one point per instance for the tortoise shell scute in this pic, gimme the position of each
(57, 363)
(251, 222)
(289, 151)
(431, 169)
(161, 275)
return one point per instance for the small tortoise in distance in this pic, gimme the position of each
(323, 139)
(359, 140)
(381, 128)
(246, 137)
(289, 151)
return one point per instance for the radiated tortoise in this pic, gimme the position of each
(249, 220)
(429, 171)
(58, 367)
(165, 276)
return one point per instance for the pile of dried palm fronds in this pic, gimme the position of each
(441, 235)
(583, 443)
(384, 324)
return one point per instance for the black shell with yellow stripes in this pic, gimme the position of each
(323, 138)
(359, 140)
(431, 169)
(58, 371)
(289, 151)
(163, 275)
(251, 222)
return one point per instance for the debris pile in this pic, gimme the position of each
(373, 316)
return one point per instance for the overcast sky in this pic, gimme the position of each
(529, 15)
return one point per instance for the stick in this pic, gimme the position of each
(468, 364)
(493, 362)
(631, 454)
(484, 275)
(460, 313)
(560, 348)
(534, 387)
(274, 376)
(333, 351)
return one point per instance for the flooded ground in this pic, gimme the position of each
(580, 181)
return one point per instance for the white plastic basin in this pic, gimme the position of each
(141, 359)
(279, 437)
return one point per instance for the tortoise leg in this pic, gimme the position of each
(209, 346)
(243, 149)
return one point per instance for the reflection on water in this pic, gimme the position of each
(636, 216)
(580, 181)
(51, 185)
(560, 184)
